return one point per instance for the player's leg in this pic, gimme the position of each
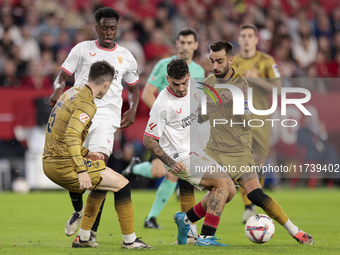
(163, 194)
(100, 139)
(187, 201)
(151, 170)
(251, 185)
(222, 189)
(111, 181)
(72, 224)
(260, 142)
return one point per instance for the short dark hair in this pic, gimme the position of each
(220, 45)
(100, 72)
(106, 12)
(177, 68)
(248, 25)
(187, 31)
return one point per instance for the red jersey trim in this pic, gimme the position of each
(66, 71)
(116, 45)
(172, 93)
(131, 84)
(152, 136)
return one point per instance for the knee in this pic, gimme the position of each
(157, 174)
(171, 177)
(257, 197)
(157, 169)
(122, 182)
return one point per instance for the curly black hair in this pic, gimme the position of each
(177, 69)
(106, 12)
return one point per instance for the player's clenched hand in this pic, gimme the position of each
(128, 118)
(94, 156)
(251, 73)
(84, 181)
(177, 167)
(55, 96)
(226, 97)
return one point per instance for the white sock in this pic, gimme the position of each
(84, 234)
(129, 238)
(204, 237)
(187, 221)
(291, 228)
(193, 228)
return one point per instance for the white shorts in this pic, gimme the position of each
(100, 138)
(196, 164)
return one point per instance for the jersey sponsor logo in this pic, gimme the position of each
(153, 78)
(120, 60)
(180, 110)
(195, 96)
(83, 117)
(92, 54)
(175, 156)
(109, 141)
(152, 126)
(276, 71)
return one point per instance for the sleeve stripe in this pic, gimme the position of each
(152, 136)
(66, 71)
(131, 84)
(75, 128)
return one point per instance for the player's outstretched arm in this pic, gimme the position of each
(148, 94)
(58, 85)
(129, 116)
(153, 145)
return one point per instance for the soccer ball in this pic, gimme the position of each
(259, 228)
(20, 185)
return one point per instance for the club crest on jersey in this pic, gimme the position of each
(120, 60)
(195, 96)
(83, 117)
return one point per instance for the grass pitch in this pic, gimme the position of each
(34, 224)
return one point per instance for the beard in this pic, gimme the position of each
(223, 72)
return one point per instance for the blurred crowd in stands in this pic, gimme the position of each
(303, 36)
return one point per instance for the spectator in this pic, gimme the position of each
(13, 30)
(36, 80)
(129, 41)
(335, 20)
(29, 47)
(8, 76)
(156, 48)
(322, 27)
(304, 46)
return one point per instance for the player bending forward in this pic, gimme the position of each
(70, 165)
(169, 135)
(229, 145)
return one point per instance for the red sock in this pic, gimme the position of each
(210, 225)
(199, 210)
(196, 213)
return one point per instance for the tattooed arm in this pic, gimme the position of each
(152, 145)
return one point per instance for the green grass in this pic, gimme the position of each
(34, 224)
